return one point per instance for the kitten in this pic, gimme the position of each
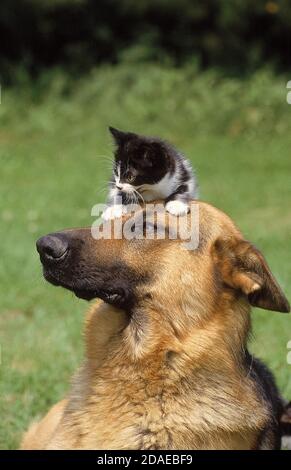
(146, 169)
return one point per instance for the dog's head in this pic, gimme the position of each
(162, 274)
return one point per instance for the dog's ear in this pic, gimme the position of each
(120, 136)
(243, 267)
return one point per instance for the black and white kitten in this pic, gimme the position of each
(147, 169)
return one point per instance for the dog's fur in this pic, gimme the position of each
(166, 364)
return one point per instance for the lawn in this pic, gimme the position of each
(54, 163)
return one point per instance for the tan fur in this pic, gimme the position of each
(44, 430)
(171, 375)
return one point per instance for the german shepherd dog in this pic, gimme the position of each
(166, 362)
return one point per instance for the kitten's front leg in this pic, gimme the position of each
(178, 206)
(115, 207)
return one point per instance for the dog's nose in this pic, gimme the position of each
(52, 247)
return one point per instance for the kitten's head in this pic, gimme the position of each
(139, 160)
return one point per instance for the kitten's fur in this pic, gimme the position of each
(146, 169)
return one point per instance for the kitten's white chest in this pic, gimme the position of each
(160, 190)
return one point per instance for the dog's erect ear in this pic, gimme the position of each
(243, 267)
(119, 136)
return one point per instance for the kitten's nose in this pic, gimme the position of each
(118, 186)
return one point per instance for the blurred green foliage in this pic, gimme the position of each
(183, 99)
(236, 35)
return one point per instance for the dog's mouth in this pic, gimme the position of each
(81, 293)
(114, 297)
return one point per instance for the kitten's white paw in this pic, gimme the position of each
(114, 212)
(177, 208)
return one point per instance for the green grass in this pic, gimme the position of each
(53, 140)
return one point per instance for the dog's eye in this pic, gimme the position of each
(130, 177)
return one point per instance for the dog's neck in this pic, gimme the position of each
(164, 367)
(144, 336)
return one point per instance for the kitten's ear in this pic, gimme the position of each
(243, 268)
(119, 136)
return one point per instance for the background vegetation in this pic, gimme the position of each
(61, 92)
(238, 36)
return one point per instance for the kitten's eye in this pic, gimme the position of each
(130, 177)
